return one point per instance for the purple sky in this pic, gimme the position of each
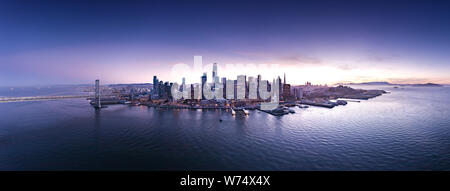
(50, 42)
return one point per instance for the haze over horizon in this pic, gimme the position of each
(76, 42)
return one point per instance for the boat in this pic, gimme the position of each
(245, 111)
(233, 112)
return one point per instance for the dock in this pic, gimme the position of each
(272, 113)
(326, 105)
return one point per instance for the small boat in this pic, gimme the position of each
(233, 112)
(245, 111)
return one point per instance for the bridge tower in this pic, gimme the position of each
(97, 94)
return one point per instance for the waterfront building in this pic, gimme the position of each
(252, 88)
(192, 92)
(155, 83)
(160, 89)
(214, 73)
(216, 82)
(224, 82)
(230, 89)
(183, 84)
(241, 87)
(132, 94)
(246, 88)
(235, 89)
(280, 86)
(286, 93)
(257, 86)
(203, 80)
(155, 90)
(164, 92)
(297, 92)
(169, 92)
(197, 91)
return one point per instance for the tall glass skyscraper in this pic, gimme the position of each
(203, 84)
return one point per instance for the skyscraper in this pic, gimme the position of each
(156, 88)
(192, 92)
(214, 73)
(297, 93)
(252, 88)
(215, 79)
(183, 84)
(169, 92)
(286, 94)
(235, 89)
(203, 79)
(160, 89)
(241, 87)
(155, 83)
(280, 86)
(132, 94)
(257, 86)
(224, 82)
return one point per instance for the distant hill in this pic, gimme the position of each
(136, 85)
(371, 83)
(389, 84)
(427, 84)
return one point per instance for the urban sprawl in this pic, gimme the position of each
(241, 94)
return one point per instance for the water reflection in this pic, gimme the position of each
(385, 133)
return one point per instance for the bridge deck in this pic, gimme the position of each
(37, 98)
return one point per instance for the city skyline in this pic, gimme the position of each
(57, 43)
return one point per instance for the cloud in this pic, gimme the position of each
(250, 54)
(376, 58)
(302, 59)
(345, 67)
(372, 56)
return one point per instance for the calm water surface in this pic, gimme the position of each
(408, 129)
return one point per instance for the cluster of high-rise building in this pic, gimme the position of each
(244, 88)
(161, 90)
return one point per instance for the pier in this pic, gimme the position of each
(326, 105)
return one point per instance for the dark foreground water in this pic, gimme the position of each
(408, 129)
